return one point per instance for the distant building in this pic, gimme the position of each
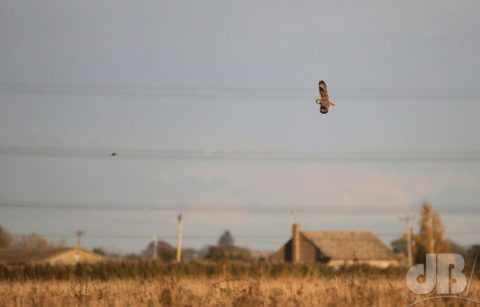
(159, 249)
(52, 256)
(335, 248)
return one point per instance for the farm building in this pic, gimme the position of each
(335, 248)
(52, 256)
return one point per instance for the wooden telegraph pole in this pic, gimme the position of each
(155, 245)
(79, 234)
(408, 223)
(179, 237)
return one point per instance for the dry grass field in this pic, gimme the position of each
(317, 291)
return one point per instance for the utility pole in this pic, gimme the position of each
(79, 234)
(432, 233)
(155, 244)
(179, 237)
(408, 223)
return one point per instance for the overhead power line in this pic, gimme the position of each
(164, 237)
(213, 237)
(221, 208)
(236, 155)
(270, 93)
(227, 208)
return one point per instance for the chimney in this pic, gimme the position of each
(295, 243)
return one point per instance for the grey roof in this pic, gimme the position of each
(349, 245)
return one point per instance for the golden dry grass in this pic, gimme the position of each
(339, 291)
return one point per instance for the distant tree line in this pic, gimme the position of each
(431, 239)
(29, 241)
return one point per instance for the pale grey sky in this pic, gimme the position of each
(268, 55)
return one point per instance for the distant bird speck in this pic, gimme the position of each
(113, 154)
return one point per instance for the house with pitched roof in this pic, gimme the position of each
(51, 256)
(335, 248)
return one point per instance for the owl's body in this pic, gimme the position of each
(324, 100)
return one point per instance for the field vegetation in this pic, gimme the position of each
(209, 284)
